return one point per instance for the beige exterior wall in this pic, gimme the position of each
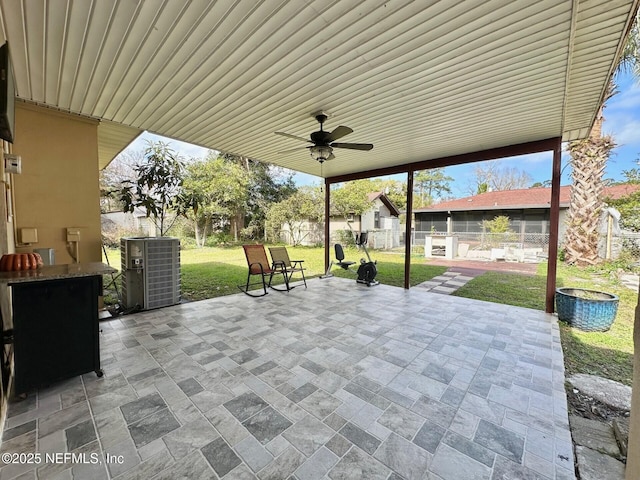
(59, 184)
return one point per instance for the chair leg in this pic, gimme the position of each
(278, 267)
(284, 276)
(289, 275)
(245, 290)
(297, 267)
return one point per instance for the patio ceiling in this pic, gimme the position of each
(419, 80)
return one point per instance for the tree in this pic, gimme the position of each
(120, 169)
(631, 176)
(493, 176)
(303, 206)
(267, 184)
(395, 190)
(588, 160)
(543, 184)
(629, 208)
(158, 183)
(481, 188)
(351, 198)
(430, 184)
(212, 191)
(499, 230)
(629, 205)
(499, 224)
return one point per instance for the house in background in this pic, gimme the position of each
(381, 221)
(528, 210)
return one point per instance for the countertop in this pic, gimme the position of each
(56, 272)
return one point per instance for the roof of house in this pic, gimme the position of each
(385, 200)
(518, 199)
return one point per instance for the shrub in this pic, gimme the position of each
(345, 237)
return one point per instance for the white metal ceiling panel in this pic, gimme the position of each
(420, 80)
(111, 138)
(597, 41)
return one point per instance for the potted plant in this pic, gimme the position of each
(588, 310)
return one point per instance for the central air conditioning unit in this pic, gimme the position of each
(150, 272)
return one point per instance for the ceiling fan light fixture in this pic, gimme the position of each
(321, 153)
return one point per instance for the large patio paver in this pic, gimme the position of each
(335, 381)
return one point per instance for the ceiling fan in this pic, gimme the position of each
(325, 142)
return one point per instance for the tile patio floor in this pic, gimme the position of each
(338, 381)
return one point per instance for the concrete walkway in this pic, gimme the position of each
(451, 280)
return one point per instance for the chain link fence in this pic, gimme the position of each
(484, 240)
(476, 241)
(612, 247)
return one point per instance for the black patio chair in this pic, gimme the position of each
(280, 259)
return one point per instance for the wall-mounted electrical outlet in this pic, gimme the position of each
(73, 234)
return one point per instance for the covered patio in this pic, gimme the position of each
(384, 383)
(334, 381)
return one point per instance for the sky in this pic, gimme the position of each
(622, 121)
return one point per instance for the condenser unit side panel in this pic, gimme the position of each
(162, 272)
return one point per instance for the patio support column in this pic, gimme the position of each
(407, 234)
(327, 233)
(633, 459)
(554, 221)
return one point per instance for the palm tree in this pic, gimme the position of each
(588, 160)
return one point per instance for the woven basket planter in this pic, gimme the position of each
(588, 310)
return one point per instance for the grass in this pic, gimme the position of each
(216, 271)
(607, 354)
(508, 288)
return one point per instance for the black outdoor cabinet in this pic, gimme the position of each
(55, 330)
(54, 320)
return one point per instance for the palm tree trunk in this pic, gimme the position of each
(589, 159)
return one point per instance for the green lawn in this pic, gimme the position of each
(215, 271)
(608, 354)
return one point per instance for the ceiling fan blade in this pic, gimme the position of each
(295, 137)
(297, 149)
(353, 146)
(339, 132)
